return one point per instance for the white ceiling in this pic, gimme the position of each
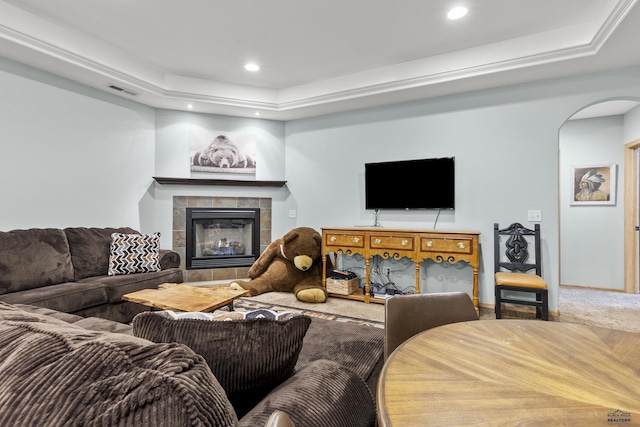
(316, 57)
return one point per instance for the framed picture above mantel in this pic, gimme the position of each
(593, 185)
(222, 152)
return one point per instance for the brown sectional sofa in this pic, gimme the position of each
(69, 356)
(61, 369)
(66, 270)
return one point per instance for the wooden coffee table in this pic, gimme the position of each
(174, 296)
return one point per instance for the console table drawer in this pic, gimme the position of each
(439, 244)
(398, 242)
(351, 240)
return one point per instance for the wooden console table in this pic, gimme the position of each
(418, 245)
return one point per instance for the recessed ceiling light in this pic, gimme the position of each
(457, 12)
(257, 113)
(190, 106)
(251, 67)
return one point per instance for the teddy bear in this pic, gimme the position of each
(291, 263)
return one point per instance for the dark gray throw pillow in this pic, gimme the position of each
(248, 357)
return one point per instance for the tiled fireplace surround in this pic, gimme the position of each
(180, 205)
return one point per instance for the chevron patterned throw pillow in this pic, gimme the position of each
(134, 253)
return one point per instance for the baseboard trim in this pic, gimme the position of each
(593, 288)
(515, 311)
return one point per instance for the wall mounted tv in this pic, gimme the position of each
(410, 184)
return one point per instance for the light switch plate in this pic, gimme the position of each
(534, 216)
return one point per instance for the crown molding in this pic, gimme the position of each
(104, 65)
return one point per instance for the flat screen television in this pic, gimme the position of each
(410, 184)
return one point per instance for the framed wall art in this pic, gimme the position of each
(593, 185)
(226, 152)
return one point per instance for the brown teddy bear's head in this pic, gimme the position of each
(302, 246)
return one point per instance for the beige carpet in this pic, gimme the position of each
(577, 305)
(615, 310)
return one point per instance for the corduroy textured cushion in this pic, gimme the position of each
(134, 253)
(324, 393)
(249, 357)
(56, 374)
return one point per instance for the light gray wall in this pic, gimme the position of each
(172, 160)
(591, 239)
(77, 156)
(632, 125)
(71, 155)
(172, 143)
(506, 146)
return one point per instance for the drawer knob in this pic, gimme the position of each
(404, 243)
(429, 244)
(356, 240)
(333, 239)
(461, 245)
(377, 241)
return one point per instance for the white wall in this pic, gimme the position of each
(71, 155)
(172, 143)
(592, 250)
(506, 146)
(172, 160)
(632, 125)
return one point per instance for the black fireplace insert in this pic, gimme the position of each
(222, 237)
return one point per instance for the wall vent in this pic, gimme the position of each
(123, 90)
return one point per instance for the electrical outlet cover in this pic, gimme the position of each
(534, 216)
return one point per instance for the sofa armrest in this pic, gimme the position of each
(169, 259)
(323, 393)
(279, 419)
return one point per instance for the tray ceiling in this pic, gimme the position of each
(315, 57)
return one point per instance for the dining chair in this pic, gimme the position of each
(511, 253)
(408, 315)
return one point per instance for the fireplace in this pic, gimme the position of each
(222, 237)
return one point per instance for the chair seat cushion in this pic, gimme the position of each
(522, 280)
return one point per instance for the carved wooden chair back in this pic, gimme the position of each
(512, 252)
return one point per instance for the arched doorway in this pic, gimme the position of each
(631, 217)
(591, 252)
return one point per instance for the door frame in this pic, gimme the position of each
(631, 200)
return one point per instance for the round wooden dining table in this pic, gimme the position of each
(512, 372)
